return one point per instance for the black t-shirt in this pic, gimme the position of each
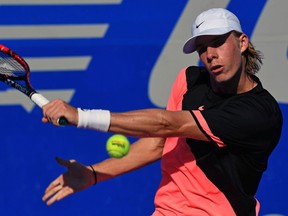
(243, 129)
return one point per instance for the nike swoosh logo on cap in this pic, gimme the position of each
(197, 26)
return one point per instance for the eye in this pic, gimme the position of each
(218, 42)
(201, 49)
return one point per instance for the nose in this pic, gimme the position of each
(211, 53)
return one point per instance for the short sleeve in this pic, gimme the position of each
(179, 88)
(244, 122)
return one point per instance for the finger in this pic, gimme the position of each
(52, 111)
(54, 184)
(51, 190)
(45, 120)
(63, 162)
(53, 116)
(64, 192)
(46, 109)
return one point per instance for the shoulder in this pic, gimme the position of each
(263, 99)
(257, 105)
(196, 74)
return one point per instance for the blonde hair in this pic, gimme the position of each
(253, 58)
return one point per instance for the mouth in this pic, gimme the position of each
(216, 69)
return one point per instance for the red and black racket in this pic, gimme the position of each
(15, 72)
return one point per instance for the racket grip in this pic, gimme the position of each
(40, 100)
(62, 121)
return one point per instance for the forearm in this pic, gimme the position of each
(150, 123)
(142, 152)
(139, 123)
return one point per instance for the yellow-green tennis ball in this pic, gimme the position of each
(118, 146)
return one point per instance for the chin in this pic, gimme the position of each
(221, 78)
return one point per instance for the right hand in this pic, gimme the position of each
(59, 108)
(77, 177)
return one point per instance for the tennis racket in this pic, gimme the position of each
(15, 72)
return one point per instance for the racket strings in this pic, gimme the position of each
(10, 67)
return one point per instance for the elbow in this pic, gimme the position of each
(166, 127)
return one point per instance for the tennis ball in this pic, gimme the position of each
(117, 146)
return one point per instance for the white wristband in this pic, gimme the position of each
(94, 119)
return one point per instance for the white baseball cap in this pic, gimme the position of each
(215, 21)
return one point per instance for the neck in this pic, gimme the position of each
(241, 82)
(247, 84)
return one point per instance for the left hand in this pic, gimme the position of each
(77, 178)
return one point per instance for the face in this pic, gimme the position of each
(222, 55)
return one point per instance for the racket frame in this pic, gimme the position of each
(28, 90)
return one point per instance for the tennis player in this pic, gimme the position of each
(214, 139)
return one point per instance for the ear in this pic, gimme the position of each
(244, 42)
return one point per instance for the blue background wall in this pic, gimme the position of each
(117, 69)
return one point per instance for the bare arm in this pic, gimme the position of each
(79, 177)
(156, 123)
(138, 123)
(142, 152)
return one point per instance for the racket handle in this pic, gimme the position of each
(40, 100)
(62, 121)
